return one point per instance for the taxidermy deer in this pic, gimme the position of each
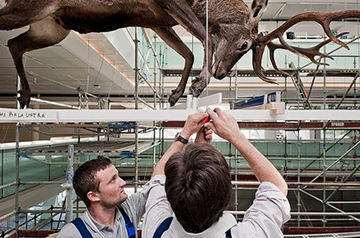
(233, 30)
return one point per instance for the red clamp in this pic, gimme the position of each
(207, 119)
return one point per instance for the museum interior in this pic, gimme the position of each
(112, 94)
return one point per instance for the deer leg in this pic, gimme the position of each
(181, 11)
(17, 14)
(200, 82)
(174, 41)
(40, 35)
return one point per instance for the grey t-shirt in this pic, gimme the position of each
(134, 207)
(269, 211)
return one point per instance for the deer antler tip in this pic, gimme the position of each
(273, 81)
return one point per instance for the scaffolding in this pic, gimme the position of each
(101, 138)
(319, 182)
(336, 174)
(320, 178)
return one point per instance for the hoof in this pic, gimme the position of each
(175, 96)
(195, 92)
(172, 103)
(24, 104)
(24, 99)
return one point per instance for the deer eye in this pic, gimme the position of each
(244, 46)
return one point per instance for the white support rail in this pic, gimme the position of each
(83, 116)
(53, 103)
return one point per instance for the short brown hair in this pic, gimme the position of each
(198, 186)
(85, 179)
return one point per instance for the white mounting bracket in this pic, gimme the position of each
(277, 107)
(194, 103)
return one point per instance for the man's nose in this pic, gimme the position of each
(122, 182)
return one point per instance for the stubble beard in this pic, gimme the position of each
(113, 204)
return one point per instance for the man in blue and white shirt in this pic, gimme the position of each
(110, 212)
(193, 188)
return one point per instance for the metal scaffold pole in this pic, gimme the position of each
(324, 141)
(298, 176)
(237, 157)
(236, 203)
(17, 177)
(155, 99)
(136, 128)
(17, 164)
(2, 173)
(69, 185)
(161, 90)
(155, 73)
(324, 171)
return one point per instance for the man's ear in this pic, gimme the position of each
(93, 197)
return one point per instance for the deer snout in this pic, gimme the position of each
(218, 71)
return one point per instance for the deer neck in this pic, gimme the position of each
(226, 11)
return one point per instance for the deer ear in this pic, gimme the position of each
(257, 9)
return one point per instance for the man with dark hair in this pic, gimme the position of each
(198, 188)
(110, 212)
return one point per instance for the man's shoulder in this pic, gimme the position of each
(69, 230)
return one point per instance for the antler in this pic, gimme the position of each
(310, 53)
(324, 19)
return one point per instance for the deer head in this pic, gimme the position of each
(231, 40)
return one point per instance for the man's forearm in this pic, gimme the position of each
(175, 147)
(263, 169)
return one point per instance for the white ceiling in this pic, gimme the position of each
(61, 69)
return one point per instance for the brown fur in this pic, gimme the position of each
(232, 29)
